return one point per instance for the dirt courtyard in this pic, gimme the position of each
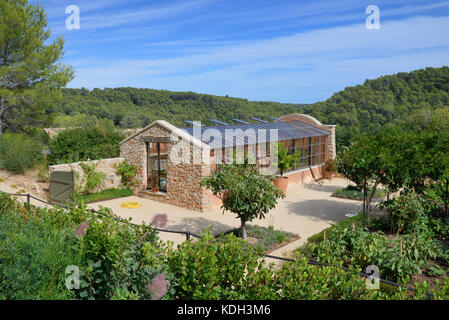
(306, 210)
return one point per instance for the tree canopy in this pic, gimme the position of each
(133, 107)
(406, 101)
(30, 73)
(416, 101)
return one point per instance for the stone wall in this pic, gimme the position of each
(104, 165)
(53, 132)
(183, 179)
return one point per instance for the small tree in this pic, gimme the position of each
(127, 173)
(364, 163)
(243, 191)
(286, 160)
(437, 165)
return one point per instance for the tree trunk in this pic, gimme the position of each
(364, 197)
(446, 199)
(2, 111)
(372, 194)
(243, 229)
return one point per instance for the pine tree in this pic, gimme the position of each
(30, 72)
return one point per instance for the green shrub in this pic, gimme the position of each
(331, 166)
(362, 248)
(19, 152)
(226, 269)
(404, 212)
(35, 249)
(42, 171)
(88, 143)
(119, 260)
(93, 178)
(115, 259)
(127, 173)
(299, 281)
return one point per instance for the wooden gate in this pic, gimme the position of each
(62, 186)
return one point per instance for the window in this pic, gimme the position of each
(312, 151)
(157, 163)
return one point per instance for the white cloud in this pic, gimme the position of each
(292, 68)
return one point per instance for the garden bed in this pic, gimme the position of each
(106, 194)
(266, 239)
(362, 240)
(354, 193)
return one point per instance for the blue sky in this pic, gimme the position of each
(287, 51)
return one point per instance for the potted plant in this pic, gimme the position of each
(330, 168)
(153, 182)
(286, 161)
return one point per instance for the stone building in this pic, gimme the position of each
(177, 159)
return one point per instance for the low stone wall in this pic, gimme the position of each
(104, 165)
(53, 132)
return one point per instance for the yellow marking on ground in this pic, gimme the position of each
(130, 205)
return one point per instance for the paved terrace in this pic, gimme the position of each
(306, 210)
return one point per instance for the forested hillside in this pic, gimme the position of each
(408, 101)
(132, 107)
(405, 101)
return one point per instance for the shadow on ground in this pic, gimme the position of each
(321, 209)
(322, 188)
(197, 225)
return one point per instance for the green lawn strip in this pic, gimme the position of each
(352, 193)
(268, 239)
(106, 194)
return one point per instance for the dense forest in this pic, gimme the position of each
(405, 101)
(133, 108)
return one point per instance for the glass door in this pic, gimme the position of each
(157, 164)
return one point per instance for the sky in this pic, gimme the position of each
(271, 50)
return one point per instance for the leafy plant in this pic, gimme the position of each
(127, 173)
(331, 166)
(286, 160)
(224, 269)
(94, 141)
(36, 246)
(404, 212)
(397, 259)
(92, 177)
(19, 152)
